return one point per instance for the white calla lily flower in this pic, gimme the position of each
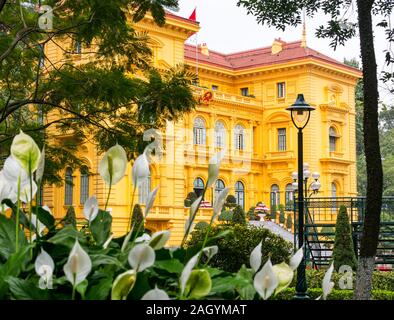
(296, 259)
(26, 194)
(159, 239)
(150, 201)
(194, 206)
(123, 284)
(44, 267)
(13, 171)
(156, 294)
(285, 275)
(144, 238)
(328, 285)
(108, 241)
(187, 270)
(78, 265)
(265, 282)
(189, 225)
(210, 251)
(141, 257)
(112, 166)
(91, 209)
(255, 257)
(140, 170)
(213, 167)
(219, 202)
(26, 152)
(6, 192)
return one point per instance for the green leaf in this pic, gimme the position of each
(101, 227)
(171, 266)
(198, 285)
(104, 259)
(213, 272)
(101, 290)
(81, 288)
(223, 284)
(67, 236)
(244, 284)
(26, 290)
(7, 237)
(45, 217)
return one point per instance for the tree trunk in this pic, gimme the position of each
(370, 235)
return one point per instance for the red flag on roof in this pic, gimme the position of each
(193, 16)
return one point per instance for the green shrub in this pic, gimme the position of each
(191, 197)
(238, 215)
(343, 252)
(231, 202)
(250, 214)
(282, 217)
(289, 221)
(138, 217)
(314, 293)
(201, 225)
(225, 216)
(235, 248)
(70, 217)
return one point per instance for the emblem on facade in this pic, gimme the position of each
(205, 98)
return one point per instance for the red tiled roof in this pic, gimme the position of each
(259, 57)
(174, 16)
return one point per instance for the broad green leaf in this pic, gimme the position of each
(244, 285)
(45, 217)
(67, 236)
(198, 284)
(7, 237)
(171, 266)
(81, 288)
(101, 290)
(223, 284)
(26, 290)
(104, 259)
(101, 227)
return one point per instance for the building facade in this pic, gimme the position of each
(243, 100)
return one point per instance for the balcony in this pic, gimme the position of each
(228, 97)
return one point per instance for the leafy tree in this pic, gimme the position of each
(231, 202)
(339, 29)
(343, 252)
(191, 197)
(238, 215)
(114, 96)
(70, 217)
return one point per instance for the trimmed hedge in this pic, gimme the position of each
(381, 280)
(314, 293)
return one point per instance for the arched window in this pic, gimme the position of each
(199, 131)
(68, 187)
(198, 186)
(289, 194)
(84, 191)
(144, 190)
(239, 137)
(219, 186)
(275, 197)
(220, 134)
(333, 136)
(333, 190)
(240, 194)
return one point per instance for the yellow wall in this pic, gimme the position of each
(329, 88)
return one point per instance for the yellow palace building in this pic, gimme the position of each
(243, 99)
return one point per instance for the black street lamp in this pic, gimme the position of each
(300, 115)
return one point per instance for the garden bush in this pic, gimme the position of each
(231, 202)
(289, 221)
(235, 247)
(282, 217)
(238, 215)
(343, 252)
(226, 216)
(138, 218)
(191, 197)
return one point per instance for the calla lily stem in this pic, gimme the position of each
(131, 208)
(109, 193)
(17, 215)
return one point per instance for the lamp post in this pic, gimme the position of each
(300, 115)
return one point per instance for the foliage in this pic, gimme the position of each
(238, 215)
(191, 197)
(282, 217)
(231, 202)
(252, 216)
(226, 216)
(138, 218)
(235, 247)
(201, 225)
(289, 221)
(343, 252)
(107, 103)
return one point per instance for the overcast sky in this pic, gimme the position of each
(227, 28)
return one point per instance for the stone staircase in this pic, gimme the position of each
(274, 228)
